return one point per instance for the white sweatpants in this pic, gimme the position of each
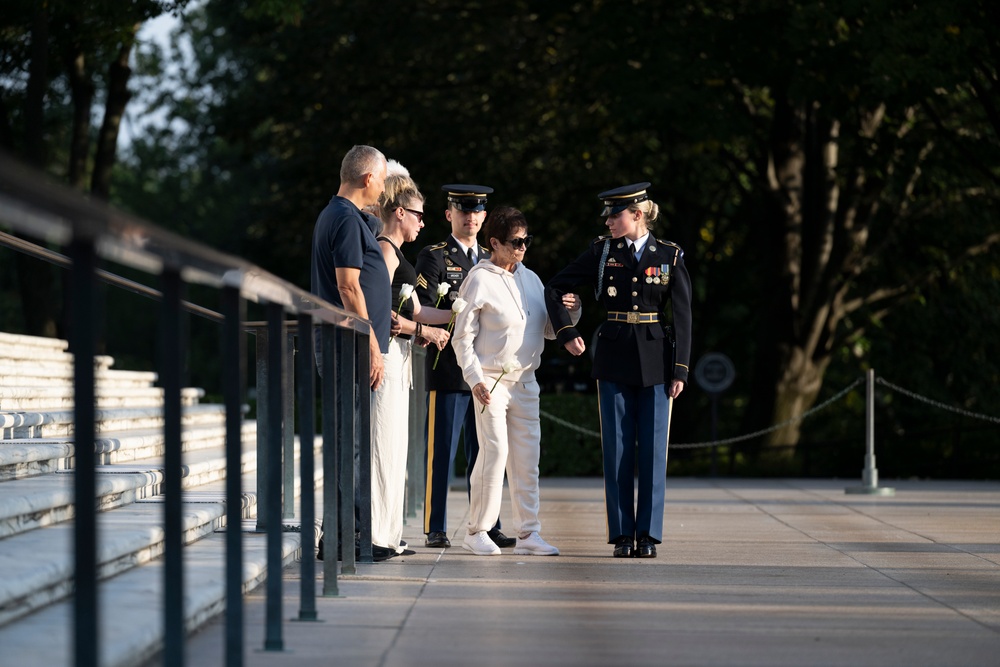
(509, 438)
(390, 434)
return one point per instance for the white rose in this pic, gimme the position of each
(405, 290)
(443, 289)
(509, 366)
(458, 305)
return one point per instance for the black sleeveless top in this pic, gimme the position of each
(405, 273)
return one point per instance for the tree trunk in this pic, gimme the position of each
(83, 95)
(118, 97)
(35, 278)
(800, 331)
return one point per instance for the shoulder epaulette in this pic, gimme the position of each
(669, 243)
(601, 239)
(483, 248)
(437, 246)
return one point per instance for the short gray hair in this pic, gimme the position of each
(359, 161)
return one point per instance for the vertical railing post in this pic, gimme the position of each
(233, 388)
(272, 501)
(869, 475)
(330, 401)
(288, 432)
(171, 364)
(363, 436)
(346, 445)
(83, 337)
(307, 468)
(263, 382)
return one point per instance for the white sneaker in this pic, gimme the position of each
(534, 545)
(480, 544)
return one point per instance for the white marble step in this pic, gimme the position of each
(27, 373)
(38, 399)
(50, 358)
(131, 606)
(36, 502)
(27, 457)
(38, 565)
(12, 339)
(60, 423)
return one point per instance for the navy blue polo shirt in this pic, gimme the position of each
(344, 238)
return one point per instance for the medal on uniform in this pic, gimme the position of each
(648, 280)
(665, 270)
(652, 274)
(612, 291)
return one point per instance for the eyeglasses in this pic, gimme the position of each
(419, 214)
(518, 243)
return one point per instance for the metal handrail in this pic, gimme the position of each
(32, 205)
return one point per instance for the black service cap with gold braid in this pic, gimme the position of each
(468, 198)
(621, 198)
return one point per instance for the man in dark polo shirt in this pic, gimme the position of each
(449, 402)
(348, 269)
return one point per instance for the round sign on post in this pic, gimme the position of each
(714, 372)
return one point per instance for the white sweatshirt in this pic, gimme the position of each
(505, 320)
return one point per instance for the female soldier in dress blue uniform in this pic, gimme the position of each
(640, 363)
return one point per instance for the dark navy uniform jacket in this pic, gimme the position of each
(638, 354)
(446, 261)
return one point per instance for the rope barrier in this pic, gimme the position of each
(808, 413)
(937, 404)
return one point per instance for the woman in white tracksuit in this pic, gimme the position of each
(498, 341)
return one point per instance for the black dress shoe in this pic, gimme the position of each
(646, 548)
(437, 540)
(500, 539)
(380, 554)
(623, 547)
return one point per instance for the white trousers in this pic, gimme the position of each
(509, 438)
(390, 434)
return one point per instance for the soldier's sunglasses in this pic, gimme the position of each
(518, 243)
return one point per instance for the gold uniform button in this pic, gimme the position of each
(635, 294)
(635, 307)
(634, 279)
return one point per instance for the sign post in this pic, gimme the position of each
(715, 373)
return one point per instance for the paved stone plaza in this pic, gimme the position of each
(751, 572)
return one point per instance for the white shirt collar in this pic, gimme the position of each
(640, 243)
(465, 248)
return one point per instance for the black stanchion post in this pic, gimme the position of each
(272, 503)
(330, 401)
(346, 445)
(173, 531)
(288, 431)
(83, 341)
(263, 383)
(233, 374)
(307, 468)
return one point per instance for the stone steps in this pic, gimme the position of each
(26, 457)
(131, 606)
(15, 425)
(56, 399)
(37, 458)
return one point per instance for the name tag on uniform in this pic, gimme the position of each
(614, 264)
(454, 275)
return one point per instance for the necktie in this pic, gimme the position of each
(631, 247)
(472, 258)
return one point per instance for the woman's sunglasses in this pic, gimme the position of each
(518, 243)
(419, 214)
